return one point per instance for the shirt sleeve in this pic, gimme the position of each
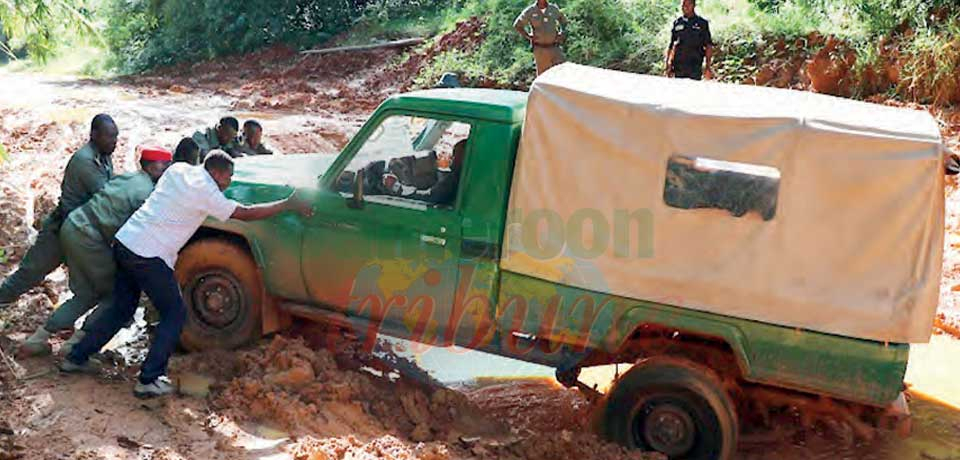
(523, 19)
(219, 206)
(561, 17)
(673, 34)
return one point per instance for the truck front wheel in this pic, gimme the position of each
(223, 293)
(675, 407)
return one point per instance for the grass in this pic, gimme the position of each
(632, 34)
(81, 60)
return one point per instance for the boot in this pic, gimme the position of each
(37, 344)
(73, 340)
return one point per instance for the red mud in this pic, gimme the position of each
(279, 78)
(341, 405)
(829, 65)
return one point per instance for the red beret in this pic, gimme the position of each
(154, 154)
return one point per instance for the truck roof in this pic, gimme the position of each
(488, 104)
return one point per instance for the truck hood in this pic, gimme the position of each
(284, 170)
(259, 179)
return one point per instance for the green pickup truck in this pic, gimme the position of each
(436, 224)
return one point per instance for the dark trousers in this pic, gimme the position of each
(136, 274)
(693, 72)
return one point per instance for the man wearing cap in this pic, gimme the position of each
(88, 169)
(85, 238)
(547, 26)
(221, 137)
(145, 250)
(252, 142)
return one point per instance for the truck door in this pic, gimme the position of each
(393, 259)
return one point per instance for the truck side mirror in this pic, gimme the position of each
(356, 201)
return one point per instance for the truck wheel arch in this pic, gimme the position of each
(687, 332)
(273, 319)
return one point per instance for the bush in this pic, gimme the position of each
(623, 34)
(148, 33)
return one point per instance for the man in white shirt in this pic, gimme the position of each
(146, 250)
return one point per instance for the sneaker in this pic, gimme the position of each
(159, 387)
(90, 367)
(30, 349)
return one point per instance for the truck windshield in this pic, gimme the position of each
(417, 152)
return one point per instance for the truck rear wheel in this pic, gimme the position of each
(675, 407)
(223, 293)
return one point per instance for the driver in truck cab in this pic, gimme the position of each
(443, 192)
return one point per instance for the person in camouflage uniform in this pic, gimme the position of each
(547, 26)
(87, 171)
(252, 142)
(85, 237)
(221, 137)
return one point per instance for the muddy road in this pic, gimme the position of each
(287, 397)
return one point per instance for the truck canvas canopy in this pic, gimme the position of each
(786, 207)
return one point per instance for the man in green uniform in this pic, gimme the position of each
(221, 137)
(690, 44)
(85, 237)
(88, 169)
(252, 143)
(547, 32)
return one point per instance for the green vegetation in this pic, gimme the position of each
(143, 34)
(632, 34)
(623, 34)
(38, 28)
(921, 36)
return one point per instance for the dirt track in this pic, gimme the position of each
(283, 399)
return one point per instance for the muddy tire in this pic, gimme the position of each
(223, 294)
(672, 406)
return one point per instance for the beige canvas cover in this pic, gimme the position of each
(854, 243)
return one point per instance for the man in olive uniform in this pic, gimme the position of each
(85, 237)
(221, 137)
(252, 142)
(88, 169)
(690, 44)
(547, 32)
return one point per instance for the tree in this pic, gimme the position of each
(36, 25)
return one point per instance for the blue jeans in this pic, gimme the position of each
(136, 274)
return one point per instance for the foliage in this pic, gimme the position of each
(613, 33)
(932, 64)
(38, 27)
(150, 33)
(628, 35)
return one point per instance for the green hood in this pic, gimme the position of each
(258, 179)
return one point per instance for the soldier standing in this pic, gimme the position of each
(88, 169)
(690, 44)
(547, 26)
